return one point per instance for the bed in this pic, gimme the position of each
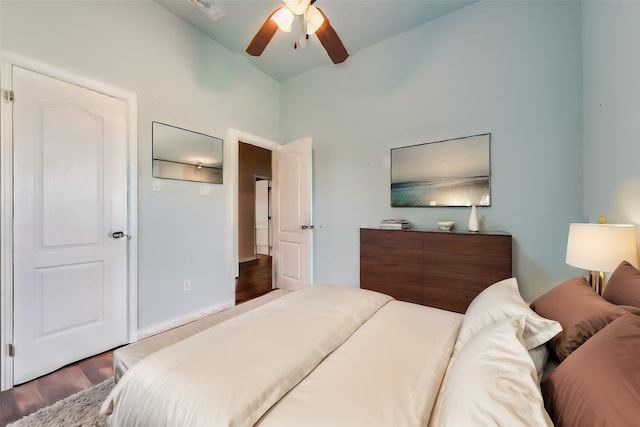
(337, 356)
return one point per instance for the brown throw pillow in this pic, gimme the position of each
(599, 383)
(623, 287)
(631, 309)
(580, 311)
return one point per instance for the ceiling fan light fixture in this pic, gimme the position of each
(284, 18)
(299, 31)
(297, 7)
(301, 19)
(314, 19)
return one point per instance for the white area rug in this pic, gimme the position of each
(80, 409)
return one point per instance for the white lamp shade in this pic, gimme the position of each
(601, 247)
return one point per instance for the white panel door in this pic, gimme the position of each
(70, 193)
(293, 230)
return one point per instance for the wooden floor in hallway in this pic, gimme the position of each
(255, 278)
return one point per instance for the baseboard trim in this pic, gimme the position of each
(182, 320)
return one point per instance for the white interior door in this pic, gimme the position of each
(70, 196)
(292, 210)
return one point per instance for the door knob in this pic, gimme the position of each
(119, 235)
(307, 227)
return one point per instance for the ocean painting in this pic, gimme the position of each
(454, 172)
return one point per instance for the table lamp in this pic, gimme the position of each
(600, 248)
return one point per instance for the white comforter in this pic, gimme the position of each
(387, 374)
(323, 356)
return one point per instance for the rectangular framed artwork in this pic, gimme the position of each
(454, 172)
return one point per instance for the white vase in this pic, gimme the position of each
(473, 219)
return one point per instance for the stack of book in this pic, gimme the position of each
(394, 224)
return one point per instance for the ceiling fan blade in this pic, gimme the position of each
(259, 42)
(331, 42)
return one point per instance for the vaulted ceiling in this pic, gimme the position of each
(359, 23)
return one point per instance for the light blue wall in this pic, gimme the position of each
(182, 78)
(510, 68)
(610, 44)
(514, 69)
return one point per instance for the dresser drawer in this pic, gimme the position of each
(464, 263)
(409, 274)
(391, 238)
(403, 282)
(447, 298)
(389, 255)
(456, 282)
(468, 243)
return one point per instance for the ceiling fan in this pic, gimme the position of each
(302, 19)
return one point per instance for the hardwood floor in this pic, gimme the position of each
(24, 399)
(29, 397)
(254, 279)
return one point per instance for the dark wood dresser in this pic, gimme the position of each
(444, 269)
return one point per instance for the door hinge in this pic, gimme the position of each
(8, 95)
(11, 350)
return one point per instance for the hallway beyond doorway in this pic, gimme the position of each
(255, 278)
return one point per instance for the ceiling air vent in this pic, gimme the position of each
(212, 8)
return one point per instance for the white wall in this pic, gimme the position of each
(509, 68)
(181, 78)
(610, 43)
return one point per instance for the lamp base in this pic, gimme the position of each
(596, 280)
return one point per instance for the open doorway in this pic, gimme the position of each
(254, 222)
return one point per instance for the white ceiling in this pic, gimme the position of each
(359, 23)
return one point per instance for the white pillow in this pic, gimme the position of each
(501, 301)
(492, 381)
(539, 355)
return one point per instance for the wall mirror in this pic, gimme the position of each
(455, 172)
(185, 155)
